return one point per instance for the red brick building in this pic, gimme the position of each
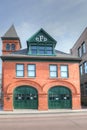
(38, 77)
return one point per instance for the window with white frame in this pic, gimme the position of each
(19, 70)
(64, 71)
(31, 70)
(53, 71)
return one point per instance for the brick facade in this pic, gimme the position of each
(16, 42)
(42, 81)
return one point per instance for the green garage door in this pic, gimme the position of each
(25, 97)
(59, 97)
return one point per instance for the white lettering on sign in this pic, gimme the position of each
(41, 38)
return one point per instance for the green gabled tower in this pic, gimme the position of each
(41, 43)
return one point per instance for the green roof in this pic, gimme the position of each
(41, 36)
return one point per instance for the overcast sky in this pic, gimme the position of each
(64, 20)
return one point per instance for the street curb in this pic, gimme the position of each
(32, 112)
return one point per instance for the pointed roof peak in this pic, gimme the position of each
(11, 33)
(41, 32)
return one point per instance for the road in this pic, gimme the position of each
(44, 122)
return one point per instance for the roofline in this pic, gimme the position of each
(43, 31)
(40, 58)
(79, 38)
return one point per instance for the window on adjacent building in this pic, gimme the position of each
(82, 89)
(79, 52)
(31, 70)
(81, 70)
(53, 71)
(83, 48)
(64, 71)
(13, 47)
(85, 67)
(19, 70)
(85, 89)
(7, 46)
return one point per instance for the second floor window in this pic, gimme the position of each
(19, 70)
(64, 71)
(31, 70)
(53, 71)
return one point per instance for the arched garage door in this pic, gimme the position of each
(59, 97)
(25, 97)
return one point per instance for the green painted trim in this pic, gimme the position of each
(38, 45)
(30, 40)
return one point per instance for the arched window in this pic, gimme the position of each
(13, 47)
(7, 46)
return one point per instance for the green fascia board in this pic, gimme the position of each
(41, 31)
(41, 54)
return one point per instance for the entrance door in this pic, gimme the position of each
(59, 97)
(25, 97)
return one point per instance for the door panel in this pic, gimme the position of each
(25, 97)
(59, 97)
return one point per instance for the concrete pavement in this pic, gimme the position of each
(36, 112)
(68, 121)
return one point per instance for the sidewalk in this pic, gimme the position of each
(36, 112)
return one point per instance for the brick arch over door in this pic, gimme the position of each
(12, 86)
(73, 89)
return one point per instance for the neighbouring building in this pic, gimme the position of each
(38, 77)
(0, 90)
(80, 49)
